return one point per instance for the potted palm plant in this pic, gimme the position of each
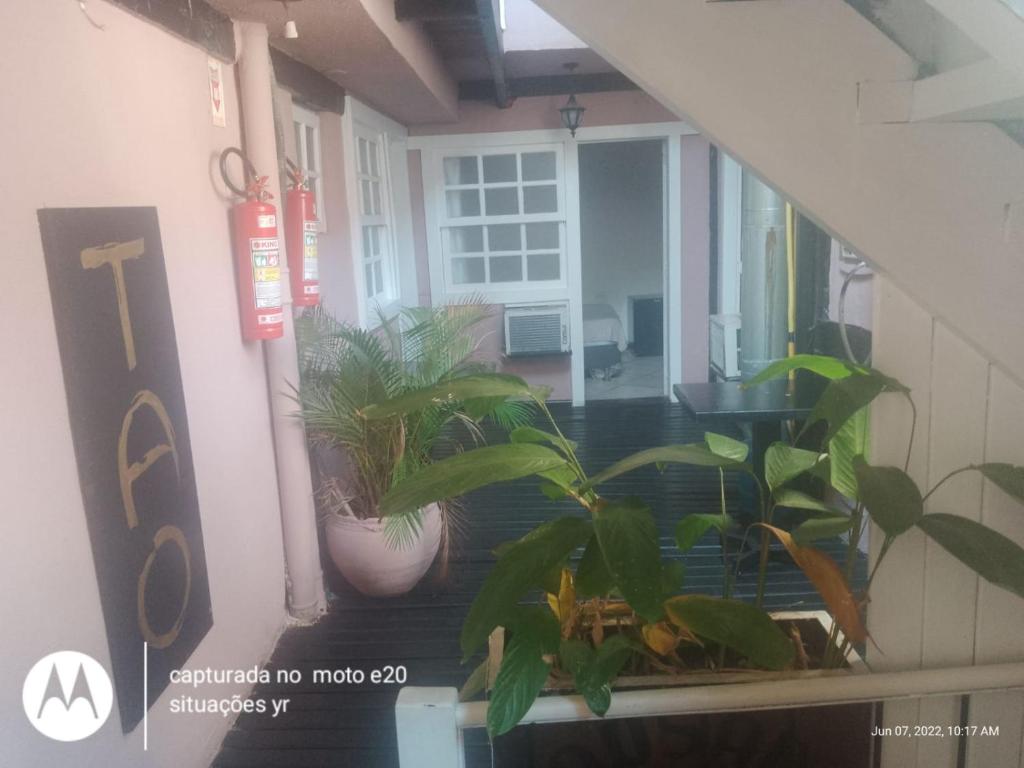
(356, 462)
(617, 610)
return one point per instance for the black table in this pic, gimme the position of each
(764, 407)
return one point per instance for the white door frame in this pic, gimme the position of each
(671, 133)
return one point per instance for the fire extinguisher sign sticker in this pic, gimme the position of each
(310, 269)
(266, 271)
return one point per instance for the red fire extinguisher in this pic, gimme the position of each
(301, 238)
(257, 254)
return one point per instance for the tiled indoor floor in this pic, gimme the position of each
(640, 377)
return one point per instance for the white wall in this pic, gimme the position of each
(928, 610)
(109, 118)
(621, 223)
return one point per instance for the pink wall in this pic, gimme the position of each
(121, 117)
(538, 112)
(696, 251)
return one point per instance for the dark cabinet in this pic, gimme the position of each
(648, 326)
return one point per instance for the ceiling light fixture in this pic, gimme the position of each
(291, 32)
(572, 112)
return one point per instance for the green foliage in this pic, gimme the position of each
(824, 527)
(593, 579)
(851, 440)
(691, 528)
(521, 566)
(783, 462)
(465, 472)
(594, 670)
(787, 497)
(1009, 478)
(890, 495)
(695, 454)
(727, 447)
(986, 552)
(347, 371)
(734, 624)
(523, 671)
(628, 537)
(830, 367)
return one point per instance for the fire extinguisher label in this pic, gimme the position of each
(266, 272)
(266, 221)
(310, 264)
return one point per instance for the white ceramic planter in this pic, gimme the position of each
(360, 551)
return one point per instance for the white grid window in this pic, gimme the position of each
(374, 221)
(308, 156)
(502, 219)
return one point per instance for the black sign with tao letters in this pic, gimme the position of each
(126, 405)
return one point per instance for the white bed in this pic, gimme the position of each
(601, 325)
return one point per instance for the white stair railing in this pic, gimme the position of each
(431, 720)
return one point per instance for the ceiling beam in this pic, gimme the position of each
(985, 90)
(490, 26)
(435, 10)
(194, 20)
(549, 85)
(991, 24)
(310, 87)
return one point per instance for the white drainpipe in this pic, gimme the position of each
(298, 516)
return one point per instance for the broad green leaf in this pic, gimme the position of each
(891, 497)
(699, 455)
(821, 528)
(738, 625)
(523, 671)
(830, 367)
(1009, 478)
(628, 537)
(592, 576)
(826, 577)
(787, 497)
(533, 435)
(562, 476)
(783, 462)
(476, 682)
(986, 552)
(727, 447)
(843, 398)
(553, 491)
(593, 671)
(464, 472)
(522, 566)
(672, 574)
(692, 527)
(851, 440)
(479, 386)
(478, 407)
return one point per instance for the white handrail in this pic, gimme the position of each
(777, 694)
(431, 720)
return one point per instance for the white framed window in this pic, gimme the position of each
(376, 226)
(502, 219)
(308, 156)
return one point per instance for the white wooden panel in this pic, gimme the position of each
(959, 395)
(902, 348)
(999, 630)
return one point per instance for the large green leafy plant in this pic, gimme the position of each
(345, 368)
(620, 606)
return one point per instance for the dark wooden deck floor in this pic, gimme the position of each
(349, 726)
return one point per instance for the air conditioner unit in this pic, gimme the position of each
(537, 329)
(725, 345)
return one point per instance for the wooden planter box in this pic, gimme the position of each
(815, 627)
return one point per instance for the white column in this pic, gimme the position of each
(298, 516)
(428, 731)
